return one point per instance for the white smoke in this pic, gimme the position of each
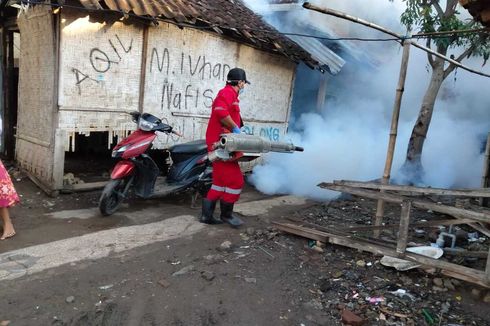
(349, 140)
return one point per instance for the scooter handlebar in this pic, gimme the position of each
(299, 149)
(177, 133)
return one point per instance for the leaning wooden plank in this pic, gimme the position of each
(416, 224)
(461, 272)
(322, 236)
(302, 231)
(85, 186)
(465, 253)
(305, 229)
(480, 228)
(464, 277)
(478, 192)
(449, 210)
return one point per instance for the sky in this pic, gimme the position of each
(348, 138)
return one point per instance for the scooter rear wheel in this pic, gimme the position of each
(113, 195)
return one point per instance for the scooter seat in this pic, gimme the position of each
(196, 146)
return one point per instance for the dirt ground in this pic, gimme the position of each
(252, 276)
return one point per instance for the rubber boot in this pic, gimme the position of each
(228, 216)
(207, 216)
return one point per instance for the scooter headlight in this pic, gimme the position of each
(119, 151)
(145, 125)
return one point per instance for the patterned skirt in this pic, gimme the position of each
(8, 195)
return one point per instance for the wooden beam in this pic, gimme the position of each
(301, 231)
(479, 192)
(460, 272)
(465, 253)
(401, 244)
(449, 210)
(337, 230)
(143, 69)
(84, 186)
(322, 93)
(59, 158)
(416, 224)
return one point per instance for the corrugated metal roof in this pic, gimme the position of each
(320, 53)
(229, 17)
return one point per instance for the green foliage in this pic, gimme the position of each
(425, 16)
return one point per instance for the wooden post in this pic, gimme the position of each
(393, 132)
(487, 270)
(401, 244)
(485, 181)
(144, 54)
(322, 93)
(59, 158)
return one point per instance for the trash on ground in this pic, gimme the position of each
(404, 265)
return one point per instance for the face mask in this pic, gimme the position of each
(241, 90)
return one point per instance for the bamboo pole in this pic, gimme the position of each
(483, 216)
(393, 133)
(342, 15)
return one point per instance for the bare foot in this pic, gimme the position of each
(8, 232)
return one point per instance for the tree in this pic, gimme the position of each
(427, 16)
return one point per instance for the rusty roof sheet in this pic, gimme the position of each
(479, 9)
(229, 17)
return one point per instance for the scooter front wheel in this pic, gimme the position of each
(113, 195)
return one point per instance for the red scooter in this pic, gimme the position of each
(188, 168)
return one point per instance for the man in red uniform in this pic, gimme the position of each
(227, 176)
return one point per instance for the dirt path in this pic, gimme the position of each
(221, 276)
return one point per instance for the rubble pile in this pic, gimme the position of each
(356, 288)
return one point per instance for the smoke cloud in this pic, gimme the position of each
(348, 138)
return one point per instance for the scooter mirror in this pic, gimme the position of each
(164, 127)
(135, 115)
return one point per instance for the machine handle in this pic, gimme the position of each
(177, 133)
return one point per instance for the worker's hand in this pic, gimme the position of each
(236, 130)
(237, 156)
(215, 145)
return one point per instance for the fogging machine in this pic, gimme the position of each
(249, 145)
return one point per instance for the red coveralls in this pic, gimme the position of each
(227, 176)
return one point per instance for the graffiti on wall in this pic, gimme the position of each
(176, 67)
(268, 132)
(192, 129)
(101, 70)
(101, 62)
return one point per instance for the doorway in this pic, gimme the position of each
(10, 48)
